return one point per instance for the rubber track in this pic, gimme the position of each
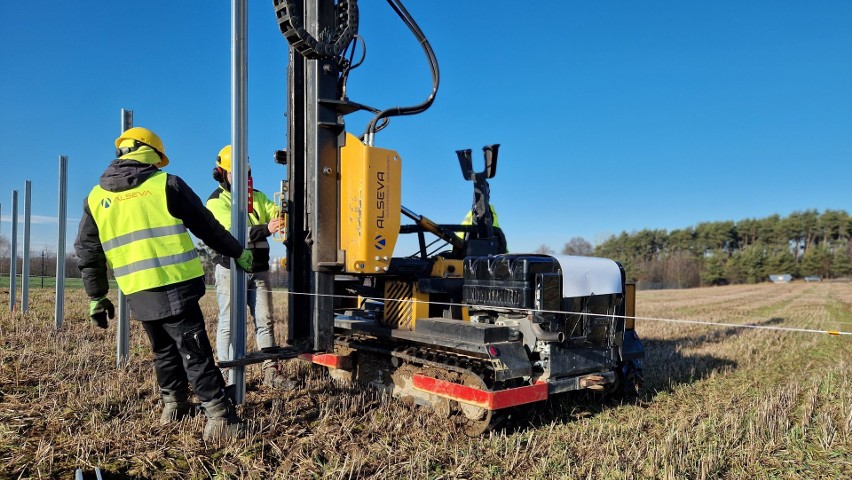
(422, 356)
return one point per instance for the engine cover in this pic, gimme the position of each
(505, 280)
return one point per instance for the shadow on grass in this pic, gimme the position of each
(665, 368)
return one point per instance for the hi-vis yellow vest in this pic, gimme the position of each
(145, 246)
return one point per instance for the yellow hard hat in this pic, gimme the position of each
(146, 137)
(223, 161)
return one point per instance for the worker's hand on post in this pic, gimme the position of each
(245, 261)
(99, 309)
(275, 226)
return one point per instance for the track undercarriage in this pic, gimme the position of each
(443, 381)
(471, 373)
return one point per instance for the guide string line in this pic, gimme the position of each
(533, 310)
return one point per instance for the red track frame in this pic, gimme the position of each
(329, 360)
(495, 400)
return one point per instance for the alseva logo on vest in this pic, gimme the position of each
(106, 202)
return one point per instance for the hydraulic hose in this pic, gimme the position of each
(433, 228)
(403, 14)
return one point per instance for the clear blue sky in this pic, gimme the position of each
(613, 116)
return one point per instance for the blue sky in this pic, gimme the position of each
(612, 115)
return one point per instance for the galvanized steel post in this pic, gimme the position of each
(25, 266)
(60, 241)
(122, 331)
(13, 255)
(239, 188)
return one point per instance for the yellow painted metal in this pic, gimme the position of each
(370, 205)
(404, 304)
(630, 306)
(445, 268)
(281, 235)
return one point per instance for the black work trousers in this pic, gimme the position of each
(182, 354)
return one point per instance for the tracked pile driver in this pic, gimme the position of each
(470, 331)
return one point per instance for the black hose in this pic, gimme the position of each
(403, 14)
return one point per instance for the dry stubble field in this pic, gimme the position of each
(719, 403)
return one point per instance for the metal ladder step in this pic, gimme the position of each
(273, 353)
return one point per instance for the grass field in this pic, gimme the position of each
(719, 403)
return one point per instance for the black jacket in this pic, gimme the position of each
(183, 204)
(263, 211)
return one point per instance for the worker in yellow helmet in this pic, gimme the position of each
(498, 232)
(263, 221)
(136, 222)
(468, 219)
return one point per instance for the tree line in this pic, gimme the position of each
(802, 244)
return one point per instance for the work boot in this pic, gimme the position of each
(273, 378)
(222, 420)
(175, 406)
(231, 392)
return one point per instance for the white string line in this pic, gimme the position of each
(651, 319)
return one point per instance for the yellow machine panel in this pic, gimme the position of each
(445, 268)
(630, 306)
(404, 304)
(370, 203)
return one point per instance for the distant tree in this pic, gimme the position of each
(544, 250)
(734, 271)
(801, 230)
(651, 275)
(681, 270)
(832, 226)
(817, 261)
(5, 250)
(747, 232)
(781, 262)
(646, 245)
(578, 246)
(842, 264)
(716, 236)
(682, 240)
(206, 255)
(803, 243)
(714, 270)
(753, 263)
(769, 231)
(71, 269)
(615, 248)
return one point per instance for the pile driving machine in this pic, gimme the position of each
(469, 330)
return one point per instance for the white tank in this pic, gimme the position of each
(585, 276)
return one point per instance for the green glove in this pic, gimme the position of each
(99, 309)
(245, 261)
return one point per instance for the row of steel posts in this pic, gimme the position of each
(239, 127)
